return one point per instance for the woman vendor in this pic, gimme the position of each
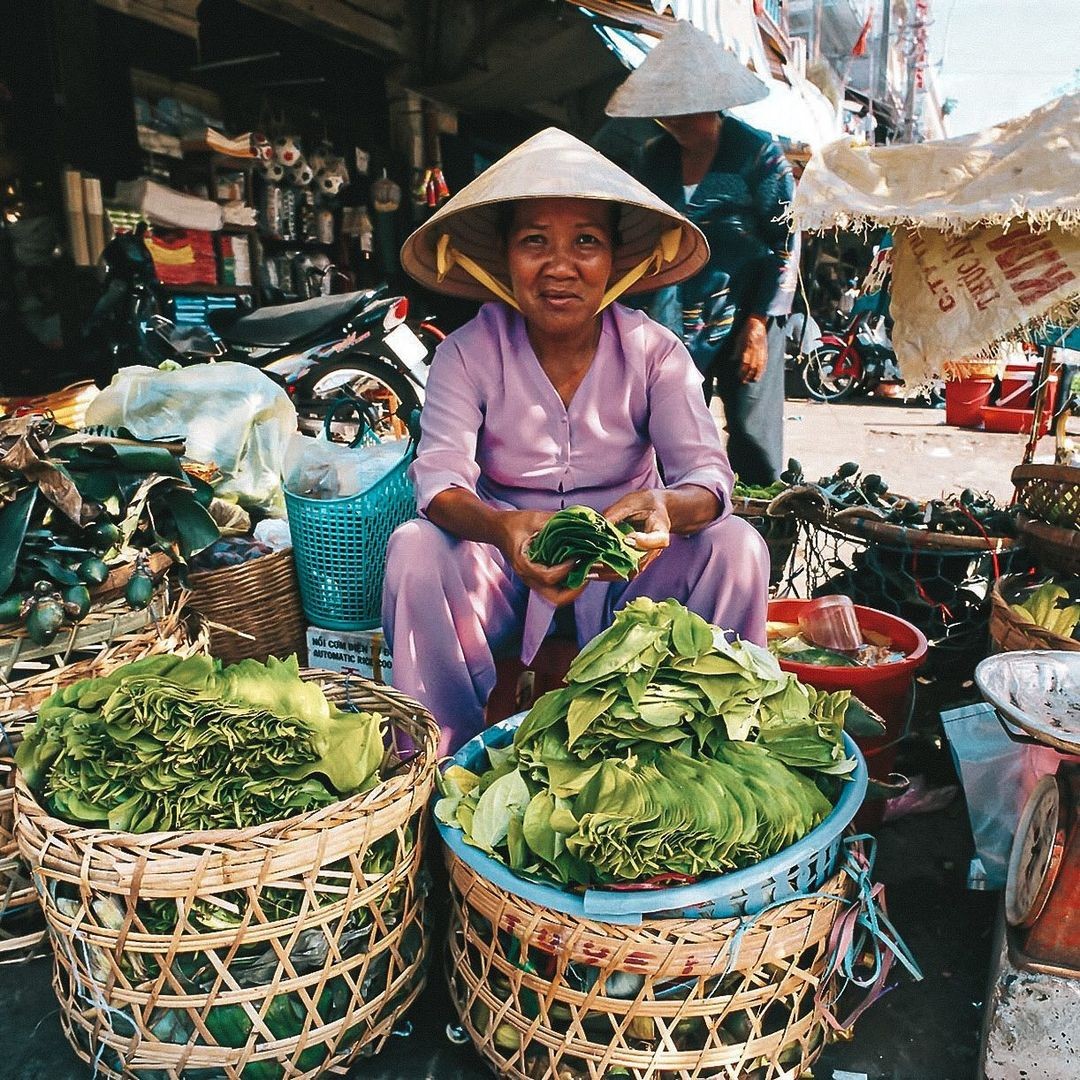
(554, 396)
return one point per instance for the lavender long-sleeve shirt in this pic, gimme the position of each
(494, 425)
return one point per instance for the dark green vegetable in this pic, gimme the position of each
(139, 590)
(586, 538)
(93, 571)
(79, 597)
(44, 621)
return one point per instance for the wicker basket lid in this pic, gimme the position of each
(552, 164)
(686, 72)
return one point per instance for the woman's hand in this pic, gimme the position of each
(753, 350)
(516, 531)
(647, 511)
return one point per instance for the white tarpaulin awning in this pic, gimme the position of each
(1026, 168)
(987, 228)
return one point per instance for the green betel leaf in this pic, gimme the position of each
(506, 798)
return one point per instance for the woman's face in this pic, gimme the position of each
(559, 254)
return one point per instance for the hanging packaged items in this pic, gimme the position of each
(385, 195)
(289, 223)
(442, 189)
(365, 230)
(272, 210)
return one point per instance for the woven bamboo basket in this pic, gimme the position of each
(22, 929)
(1010, 633)
(547, 996)
(67, 406)
(1050, 524)
(253, 609)
(275, 997)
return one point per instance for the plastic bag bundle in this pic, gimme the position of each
(317, 469)
(229, 414)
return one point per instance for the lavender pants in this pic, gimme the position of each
(450, 607)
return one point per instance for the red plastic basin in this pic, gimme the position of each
(888, 689)
(1013, 421)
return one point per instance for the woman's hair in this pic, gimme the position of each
(504, 220)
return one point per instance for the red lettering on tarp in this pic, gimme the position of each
(1019, 252)
(1035, 289)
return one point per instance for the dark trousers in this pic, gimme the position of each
(753, 412)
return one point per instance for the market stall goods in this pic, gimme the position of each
(1031, 615)
(177, 632)
(547, 996)
(670, 754)
(278, 948)
(87, 517)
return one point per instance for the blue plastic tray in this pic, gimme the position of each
(800, 868)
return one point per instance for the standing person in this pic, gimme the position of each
(553, 396)
(734, 183)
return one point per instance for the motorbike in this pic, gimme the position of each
(354, 364)
(856, 360)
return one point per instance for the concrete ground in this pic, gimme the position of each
(918, 1031)
(910, 447)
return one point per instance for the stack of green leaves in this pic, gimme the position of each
(584, 537)
(163, 744)
(670, 749)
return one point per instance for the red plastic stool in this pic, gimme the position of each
(517, 687)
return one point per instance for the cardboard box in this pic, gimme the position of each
(355, 652)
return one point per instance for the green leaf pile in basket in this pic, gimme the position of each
(586, 538)
(163, 744)
(670, 751)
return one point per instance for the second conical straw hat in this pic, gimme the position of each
(552, 164)
(686, 72)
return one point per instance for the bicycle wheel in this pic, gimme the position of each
(349, 394)
(827, 377)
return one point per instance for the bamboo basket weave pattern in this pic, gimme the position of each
(253, 609)
(22, 932)
(1010, 633)
(272, 997)
(546, 996)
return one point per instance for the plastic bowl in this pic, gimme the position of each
(800, 868)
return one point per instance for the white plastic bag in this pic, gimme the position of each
(229, 414)
(318, 469)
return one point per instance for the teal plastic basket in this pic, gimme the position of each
(339, 546)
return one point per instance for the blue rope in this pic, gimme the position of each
(876, 931)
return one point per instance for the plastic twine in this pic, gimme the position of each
(862, 943)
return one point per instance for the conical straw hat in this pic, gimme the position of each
(656, 240)
(686, 72)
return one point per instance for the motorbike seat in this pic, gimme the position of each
(288, 323)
